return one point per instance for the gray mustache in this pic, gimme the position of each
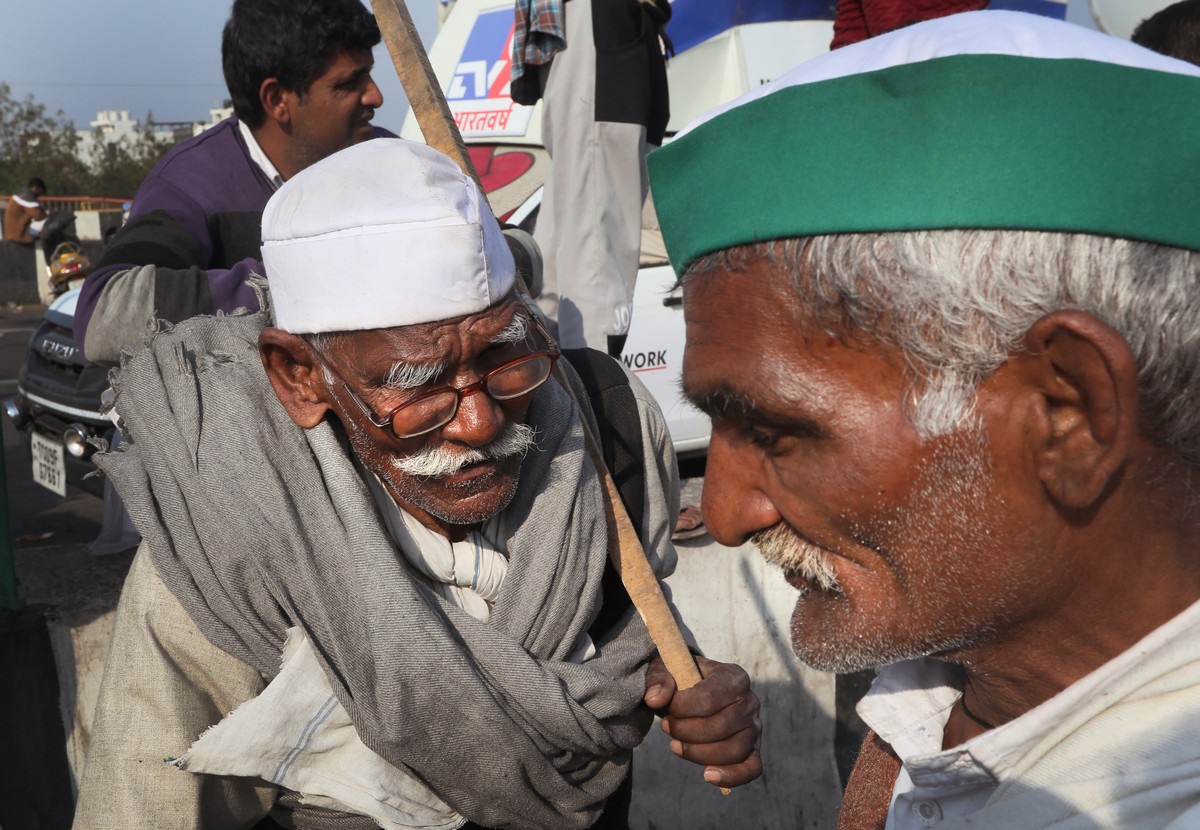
(439, 461)
(781, 546)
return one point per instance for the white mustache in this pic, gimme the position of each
(782, 546)
(439, 461)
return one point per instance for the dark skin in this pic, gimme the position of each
(300, 129)
(715, 723)
(466, 347)
(1013, 579)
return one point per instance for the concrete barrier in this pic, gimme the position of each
(18, 274)
(23, 275)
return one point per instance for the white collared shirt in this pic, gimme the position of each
(259, 157)
(908, 706)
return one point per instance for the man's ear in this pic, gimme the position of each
(276, 102)
(1088, 405)
(295, 375)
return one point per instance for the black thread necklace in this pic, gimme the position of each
(972, 715)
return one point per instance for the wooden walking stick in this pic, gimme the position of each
(420, 84)
(625, 549)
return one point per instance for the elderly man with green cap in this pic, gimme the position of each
(371, 591)
(942, 293)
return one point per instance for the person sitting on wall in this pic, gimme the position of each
(25, 216)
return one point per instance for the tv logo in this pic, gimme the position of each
(485, 69)
(478, 92)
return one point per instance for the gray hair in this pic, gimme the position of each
(409, 375)
(324, 343)
(957, 303)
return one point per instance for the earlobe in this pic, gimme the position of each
(295, 376)
(1088, 405)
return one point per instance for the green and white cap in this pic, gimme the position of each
(987, 119)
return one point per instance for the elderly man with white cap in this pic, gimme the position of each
(942, 293)
(375, 545)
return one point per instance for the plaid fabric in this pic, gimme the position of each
(540, 32)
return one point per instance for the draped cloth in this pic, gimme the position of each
(256, 525)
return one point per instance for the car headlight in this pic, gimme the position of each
(75, 440)
(15, 409)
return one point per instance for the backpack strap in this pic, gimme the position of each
(615, 407)
(620, 427)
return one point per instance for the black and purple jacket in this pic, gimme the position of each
(193, 236)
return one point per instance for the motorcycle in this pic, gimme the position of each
(68, 265)
(66, 261)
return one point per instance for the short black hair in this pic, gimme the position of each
(292, 40)
(1174, 31)
(36, 182)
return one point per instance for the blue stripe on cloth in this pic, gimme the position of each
(306, 736)
(695, 21)
(478, 560)
(1056, 9)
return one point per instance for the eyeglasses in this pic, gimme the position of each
(438, 407)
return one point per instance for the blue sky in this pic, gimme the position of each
(164, 56)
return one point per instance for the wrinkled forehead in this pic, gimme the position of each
(443, 342)
(819, 282)
(734, 293)
(750, 334)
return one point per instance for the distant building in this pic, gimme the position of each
(215, 116)
(114, 126)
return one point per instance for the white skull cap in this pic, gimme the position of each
(382, 234)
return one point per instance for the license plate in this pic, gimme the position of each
(49, 467)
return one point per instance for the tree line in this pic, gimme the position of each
(34, 142)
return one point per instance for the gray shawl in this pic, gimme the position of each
(256, 525)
